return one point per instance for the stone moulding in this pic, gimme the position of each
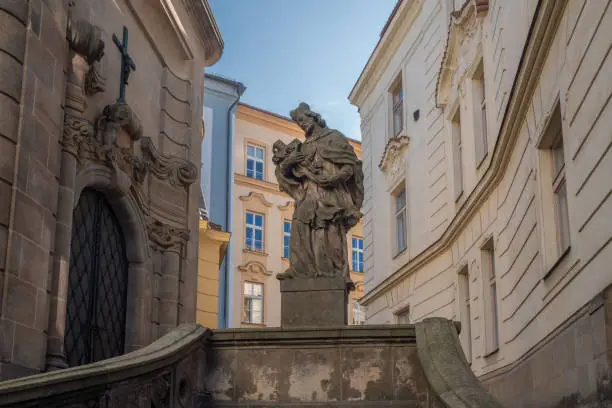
(178, 171)
(255, 267)
(165, 237)
(544, 26)
(446, 368)
(395, 146)
(254, 195)
(463, 24)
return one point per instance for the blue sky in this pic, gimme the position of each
(287, 51)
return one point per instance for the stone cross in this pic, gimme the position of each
(127, 64)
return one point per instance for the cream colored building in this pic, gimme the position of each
(486, 129)
(262, 219)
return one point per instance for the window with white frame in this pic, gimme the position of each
(480, 106)
(252, 310)
(255, 162)
(357, 254)
(491, 306)
(553, 191)
(400, 220)
(457, 154)
(286, 238)
(254, 232)
(465, 314)
(358, 313)
(397, 98)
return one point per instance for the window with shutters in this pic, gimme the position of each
(465, 314)
(480, 116)
(457, 155)
(554, 209)
(489, 279)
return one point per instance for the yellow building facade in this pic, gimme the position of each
(262, 219)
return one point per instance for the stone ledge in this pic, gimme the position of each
(313, 284)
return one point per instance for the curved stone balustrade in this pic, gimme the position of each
(163, 374)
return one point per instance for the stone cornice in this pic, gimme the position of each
(206, 29)
(462, 24)
(387, 45)
(544, 26)
(242, 180)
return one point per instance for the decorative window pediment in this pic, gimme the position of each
(393, 161)
(255, 268)
(289, 205)
(463, 41)
(256, 196)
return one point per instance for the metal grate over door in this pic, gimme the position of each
(97, 283)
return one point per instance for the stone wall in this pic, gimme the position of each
(335, 367)
(55, 89)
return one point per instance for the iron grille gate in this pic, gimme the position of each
(97, 283)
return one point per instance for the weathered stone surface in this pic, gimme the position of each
(314, 302)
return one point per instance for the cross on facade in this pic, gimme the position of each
(127, 64)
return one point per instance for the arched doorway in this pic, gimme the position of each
(97, 283)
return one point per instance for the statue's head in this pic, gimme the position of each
(307, 119)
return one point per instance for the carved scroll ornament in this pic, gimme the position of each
(178, 171)
(165, 237)
(394, 148)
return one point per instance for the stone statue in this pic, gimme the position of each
(325, 178)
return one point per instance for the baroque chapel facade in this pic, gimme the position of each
(100, 141)
(486, 139)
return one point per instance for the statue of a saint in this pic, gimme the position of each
(325, 178)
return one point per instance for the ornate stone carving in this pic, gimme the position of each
(164, 237)
(288, 205)
(255, 268)
(325, 178)
(256, 196)
(394, 148)
(85, 39)
(178, 171)
(113, 118)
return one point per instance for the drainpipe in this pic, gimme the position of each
(228, 286)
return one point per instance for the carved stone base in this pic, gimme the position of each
(314, 302)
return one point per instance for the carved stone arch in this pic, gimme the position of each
(117, 188)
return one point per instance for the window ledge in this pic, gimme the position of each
(253, 324)
(400, 253)
(253, 251)
(491, 353)
(557, 262)
(482, 160)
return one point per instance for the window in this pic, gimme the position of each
(255, 162)
(358, 314)
(254, 232)
(481, 116)
(490, 286)
(554, 209)
(397, 96)
(465, 315)
(457, 155)
(560, 192)
(252, 311)
(286, 238)
(357, 254)
(403, 317)
(400, 220)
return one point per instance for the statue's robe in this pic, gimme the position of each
(322, 215)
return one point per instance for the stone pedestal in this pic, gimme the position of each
(314, 302)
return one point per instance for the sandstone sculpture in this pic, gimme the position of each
(325, 178)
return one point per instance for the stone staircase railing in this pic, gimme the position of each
(165, 374)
